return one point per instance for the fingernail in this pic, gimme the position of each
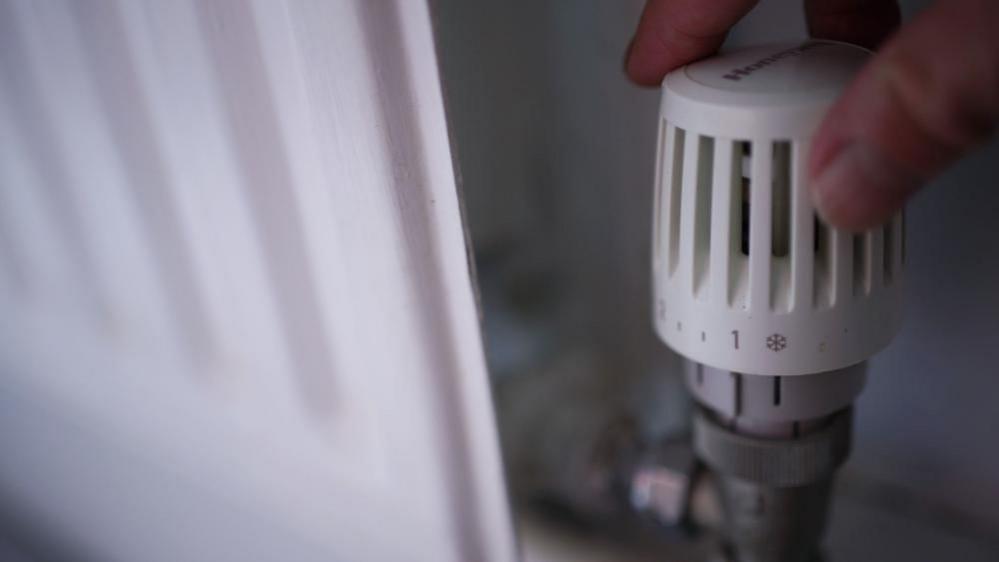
(860, 188)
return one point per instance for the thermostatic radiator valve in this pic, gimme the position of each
(775, 310)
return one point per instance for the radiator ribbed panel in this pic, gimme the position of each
(230, 241)
(151, 142)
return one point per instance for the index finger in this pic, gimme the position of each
(672, 33)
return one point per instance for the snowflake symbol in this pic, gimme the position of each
(776, 342)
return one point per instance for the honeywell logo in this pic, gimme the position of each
(737, 74)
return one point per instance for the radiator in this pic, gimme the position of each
(239, 320)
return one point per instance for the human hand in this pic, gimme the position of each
(929, 95)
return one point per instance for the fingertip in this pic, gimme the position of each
(671, 33)
(640, 69)
(641, 76)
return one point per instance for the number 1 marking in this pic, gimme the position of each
(735, 336)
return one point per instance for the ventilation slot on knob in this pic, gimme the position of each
(861, 262)
(780, 237)
(662, 176)
(823, 264)
(726, 260)
(702, 211)
(745, 153)
(780, 231)
(674, 148)
(740, 184)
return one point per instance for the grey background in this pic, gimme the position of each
(556, 152)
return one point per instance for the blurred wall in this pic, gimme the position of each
(554, 153)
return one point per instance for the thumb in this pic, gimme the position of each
(929, 96)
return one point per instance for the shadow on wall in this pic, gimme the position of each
(554, 150)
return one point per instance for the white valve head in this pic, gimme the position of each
(746, 277)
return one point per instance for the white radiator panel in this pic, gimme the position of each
(231, 248)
